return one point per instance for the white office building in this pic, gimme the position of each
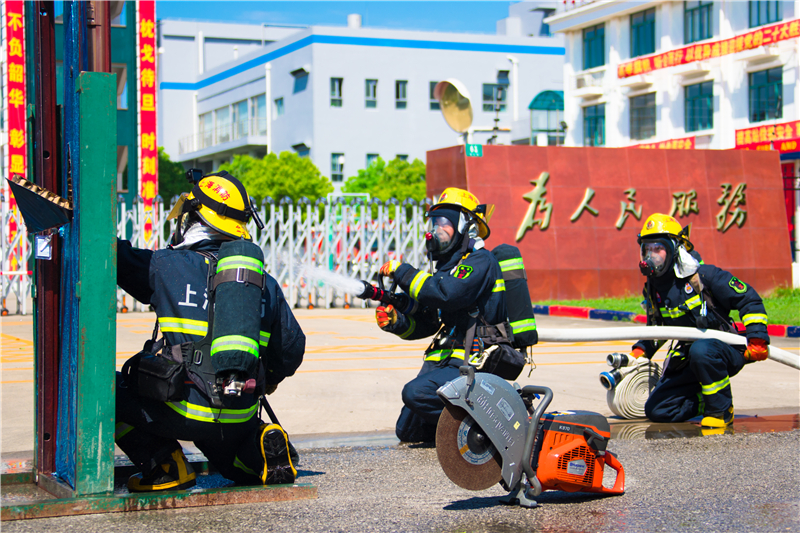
(344, 96)
(689, 74)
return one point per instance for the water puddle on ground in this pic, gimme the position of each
(633, 429)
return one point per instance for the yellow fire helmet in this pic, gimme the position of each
(222, 202)
(466, 202)
(660, 225)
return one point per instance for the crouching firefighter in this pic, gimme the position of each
(229, 337)
(681, 291)
(463, 303)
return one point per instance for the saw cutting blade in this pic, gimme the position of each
(465, 453)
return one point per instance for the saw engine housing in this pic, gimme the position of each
(571, 453)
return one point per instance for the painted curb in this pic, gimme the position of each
(774, 330)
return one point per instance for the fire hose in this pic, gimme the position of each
(630, 382)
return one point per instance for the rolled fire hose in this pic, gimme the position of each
(627, 399)
(659, 333)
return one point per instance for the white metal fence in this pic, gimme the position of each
(348, 236)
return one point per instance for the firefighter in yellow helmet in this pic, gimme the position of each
(467, 282)
(682, 291)
(174, 281)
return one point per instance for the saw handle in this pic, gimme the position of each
(619, 484)
(531, 390)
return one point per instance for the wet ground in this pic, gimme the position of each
(734, 482)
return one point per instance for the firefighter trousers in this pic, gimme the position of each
(421, 405)
(148, 431)
(701, 387)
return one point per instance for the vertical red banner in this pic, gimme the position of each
(15, 104)
(148, 146)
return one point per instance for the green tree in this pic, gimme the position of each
(171, 178)
(398, 179)
(276, 176)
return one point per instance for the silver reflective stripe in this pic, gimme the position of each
(207, 414)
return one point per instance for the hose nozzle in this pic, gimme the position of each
(609, 380)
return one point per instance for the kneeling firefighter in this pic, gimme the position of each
(229, 337)
(463, 303)
(680, 291)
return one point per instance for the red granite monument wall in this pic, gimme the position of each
(733, 199)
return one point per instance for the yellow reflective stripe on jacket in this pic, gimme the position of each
(121, 429)
(520, 326)
(714, 388)
(410, 329)
(240, 465)
(208, 414)
(183, 325)
(234, 342)
(754, 318)
(417, 283)
(671, 312)
(439, 355)
(499, 286)
(240, 261)
(511, 264)
(693, 302)
(263, 338)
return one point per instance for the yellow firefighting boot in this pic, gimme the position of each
(718, 420)
(276, 454)
(175, 474)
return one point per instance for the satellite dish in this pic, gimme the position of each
(454, 101)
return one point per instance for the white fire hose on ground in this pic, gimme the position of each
(630, 386)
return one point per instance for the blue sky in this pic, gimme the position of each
(448, 16)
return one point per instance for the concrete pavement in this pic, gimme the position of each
(350, 381)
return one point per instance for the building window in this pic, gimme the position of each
(337, 167)
(121, 70)
(336, 92)
(434, 103)
(402, 157)
(206, 127)
(279, 107)
(699, 108)
(494, 97)
(643, 33)
(547, 112)
(696, 21)
(764, 12)
(222, 118)
(302, 149)
(258, 115)
(594, 44)
(371, 88)
(240, 119)
(300, 80)
(766, 94)
(371, 158)
(594, 125)
(400, 99)
(643, 116)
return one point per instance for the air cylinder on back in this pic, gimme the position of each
(518, 299)
(238, 283)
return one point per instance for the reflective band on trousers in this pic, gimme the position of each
(417, 283)
(511, 264)
(174, 324)
(714, 388)
(499, 286)
(234, 342)
(519, 326)
(671, 312)
(263, 338)
(754, 318)
(239, 464)
(240, 261)
(121, 429)
(410, 329)
(439, 355)
(208, 414)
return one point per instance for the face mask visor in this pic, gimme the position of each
(654, 257)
